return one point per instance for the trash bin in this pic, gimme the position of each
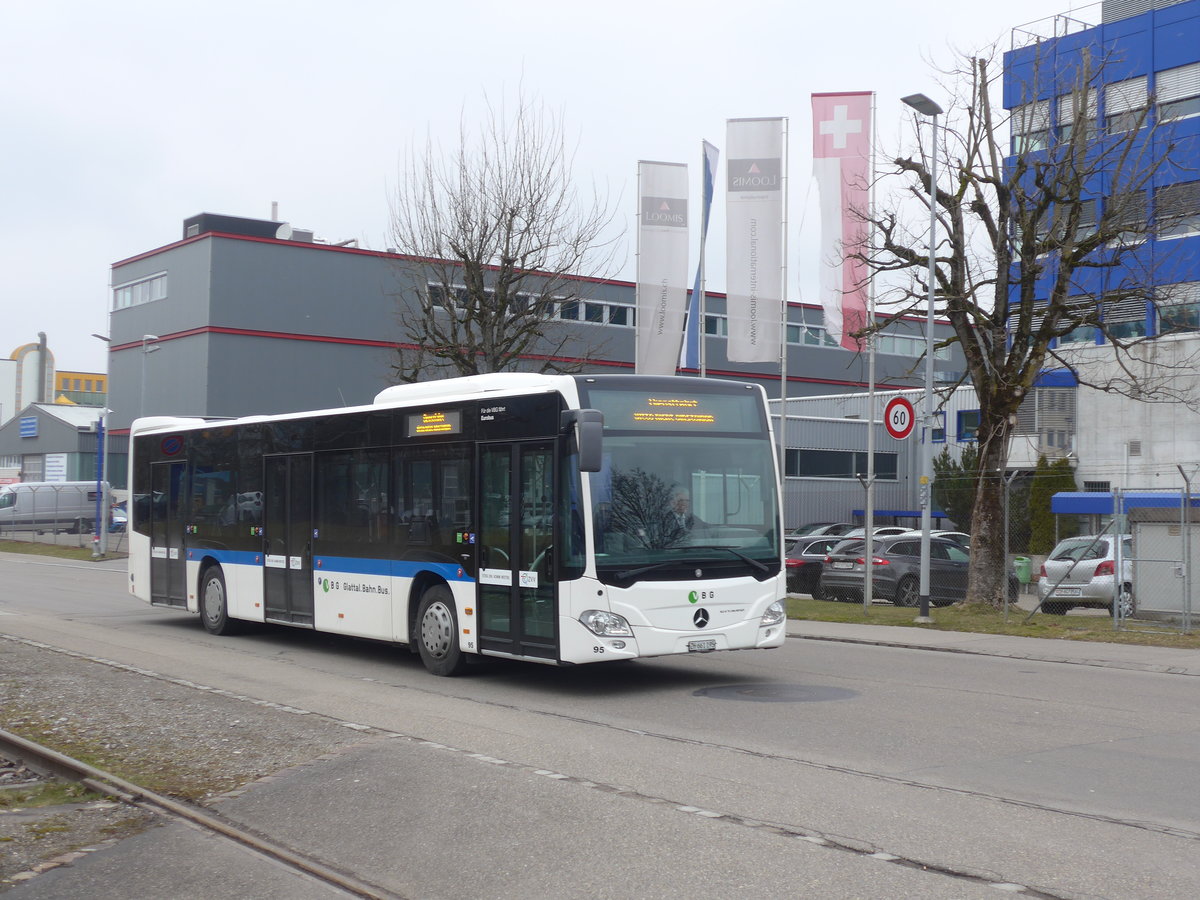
(1023, 567)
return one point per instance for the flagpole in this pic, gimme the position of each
(637, 283)
(704, 200)
(783, 353)
(868, 581)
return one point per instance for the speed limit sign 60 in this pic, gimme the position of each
(898, 418)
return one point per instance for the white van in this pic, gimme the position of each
(68, 506)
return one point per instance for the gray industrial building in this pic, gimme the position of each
(249, 316)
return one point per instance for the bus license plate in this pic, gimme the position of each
(701, 646)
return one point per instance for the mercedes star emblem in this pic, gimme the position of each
(700, 618)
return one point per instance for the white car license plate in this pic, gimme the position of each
(1068, 592)
(701, 646)
(843, 565)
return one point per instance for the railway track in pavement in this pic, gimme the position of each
(49, 763)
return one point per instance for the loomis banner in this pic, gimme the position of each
(662, 265)
(754, 201)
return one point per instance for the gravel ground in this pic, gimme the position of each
(190, 744)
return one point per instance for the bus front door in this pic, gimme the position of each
(288, 538)
(517, 608)
(168, 561)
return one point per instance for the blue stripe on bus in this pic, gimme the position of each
(227, 557)
(399, 568)
(350, 565)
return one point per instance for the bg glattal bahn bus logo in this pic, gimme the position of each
(664, 211)
(754, 174)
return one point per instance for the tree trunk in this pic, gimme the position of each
(987, 575)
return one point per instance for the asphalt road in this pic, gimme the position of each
(816, 770)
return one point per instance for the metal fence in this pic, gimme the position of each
(58, 520)
(1165, 527)
(1157, 563)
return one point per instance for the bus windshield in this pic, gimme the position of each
(666, 503)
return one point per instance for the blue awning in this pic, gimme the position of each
(1056, 378)
(1100, 503)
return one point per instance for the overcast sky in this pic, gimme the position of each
(124, 118)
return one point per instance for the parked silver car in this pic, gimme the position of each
(1081, 571)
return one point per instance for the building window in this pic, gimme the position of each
(1125, 105)
(1125, 317)
(1097, 487)
(1083, 311)
(145, 290)
(1178, 92)
(810, 336)
(1177, 209)
(1179, 310)
(1126, 212)
(938, 433)
(1031, 127)
(1076, 111)
(968, 425)
(618, 315)
(1086, 226)
(846, 464)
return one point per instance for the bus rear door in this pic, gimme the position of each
(168, 561)
(288, 538)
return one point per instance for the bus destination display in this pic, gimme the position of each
(673, 411)
(676, 411)
(435, 422)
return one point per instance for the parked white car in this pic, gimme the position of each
(1081, 571)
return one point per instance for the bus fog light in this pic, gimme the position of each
(618, 645)
(605, 624)
(775, 615)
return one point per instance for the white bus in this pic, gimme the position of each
(534, 517)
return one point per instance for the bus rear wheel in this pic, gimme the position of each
(214, 602)
(437, 633)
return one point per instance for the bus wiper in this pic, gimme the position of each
(634, 573)
(742, 556)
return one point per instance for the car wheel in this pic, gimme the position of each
(908, 592)
(437, 637)
(819, 593)
(1125, 604)
(1055, 609)
(214, 603)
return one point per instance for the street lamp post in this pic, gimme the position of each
(148, 347)
(927, 107)
(103, 500)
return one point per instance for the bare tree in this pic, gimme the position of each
(497, 241)
(1029, 249)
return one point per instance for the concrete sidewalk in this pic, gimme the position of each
(1164, 660)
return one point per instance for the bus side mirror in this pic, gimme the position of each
(588, 425)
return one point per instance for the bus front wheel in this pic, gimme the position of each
(214, 602)
(437, 638)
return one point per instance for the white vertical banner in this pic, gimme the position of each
(661, 266)
(754, 199)
(842, 167)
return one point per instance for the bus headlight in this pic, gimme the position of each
(775, 615)
(605, 624)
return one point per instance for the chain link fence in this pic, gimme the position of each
(62, 515)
